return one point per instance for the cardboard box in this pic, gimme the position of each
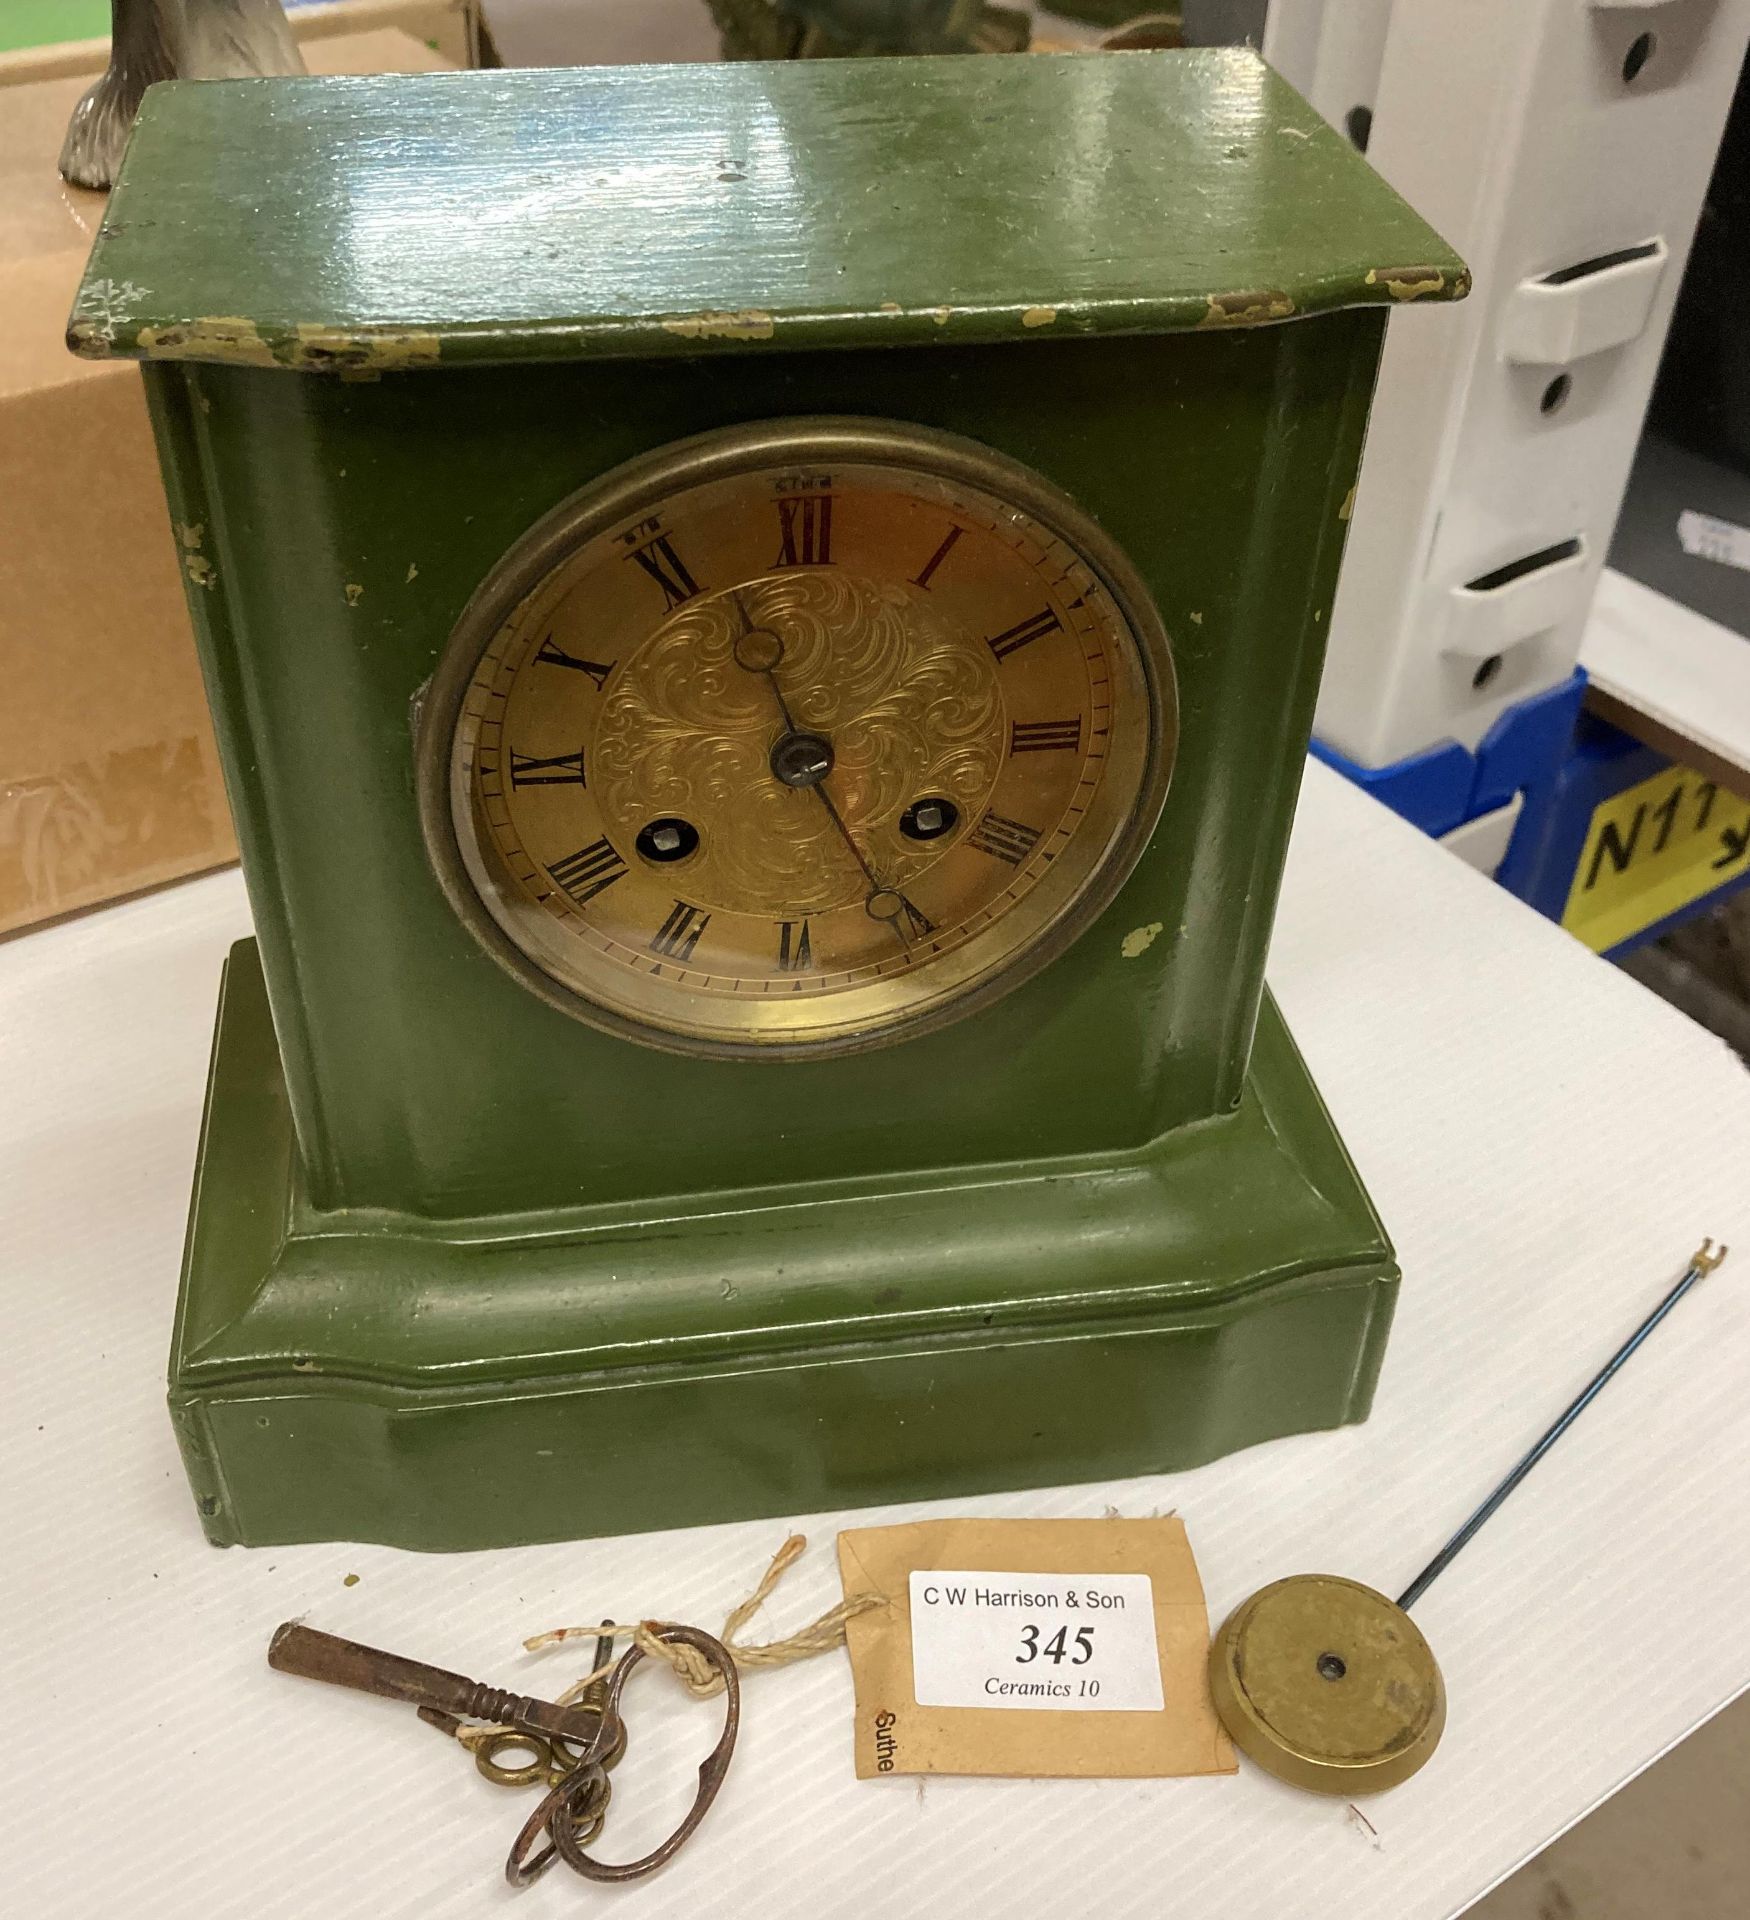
(109, 779)
(452, 29)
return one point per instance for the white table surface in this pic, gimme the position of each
(1547, 1144)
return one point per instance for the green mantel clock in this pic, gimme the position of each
(763, 622)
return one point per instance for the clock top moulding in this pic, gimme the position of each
(450, 1245)
(386, 223)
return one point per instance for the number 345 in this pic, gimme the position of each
(1058, 1648)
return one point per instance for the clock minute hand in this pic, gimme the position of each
(838, 820)
(884, 903)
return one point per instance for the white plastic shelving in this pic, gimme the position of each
(1563, 147)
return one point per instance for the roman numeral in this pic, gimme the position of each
(1014, 638)
(554, 657)
(1008, 840)
(679, 934)
(805, 530)
(658, 559)
(795, 952)
(566, 770)
(1045, 736)
(935, 560)
(588, 871)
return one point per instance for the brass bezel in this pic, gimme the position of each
(636, 488)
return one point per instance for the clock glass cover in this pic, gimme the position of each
(796, 738)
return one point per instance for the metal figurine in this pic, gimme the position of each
(837, 29)
(169, 40)
(1329, 1685)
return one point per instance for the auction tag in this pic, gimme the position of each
(1036, 1647)
(1066, 1642)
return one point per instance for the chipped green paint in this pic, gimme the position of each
(749, 324)
(237, 341)
(385, 350)
(1247, 309)
(1157, 202)
(200, 570)
(1420, 283)
(229, 339)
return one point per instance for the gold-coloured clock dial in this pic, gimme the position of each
(800, 737)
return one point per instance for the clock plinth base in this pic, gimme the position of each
(477, 1383)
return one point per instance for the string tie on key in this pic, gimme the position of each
(573, 1811)
(697, 1674)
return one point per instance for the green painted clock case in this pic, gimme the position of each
(464, 1271)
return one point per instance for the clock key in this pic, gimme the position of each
(313, 1655)
(549, 1758)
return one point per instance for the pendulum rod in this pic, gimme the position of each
(1702, 1262)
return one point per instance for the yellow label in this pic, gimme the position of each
(1652, 849)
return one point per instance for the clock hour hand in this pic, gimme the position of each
(758, 650)
(800, 758)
